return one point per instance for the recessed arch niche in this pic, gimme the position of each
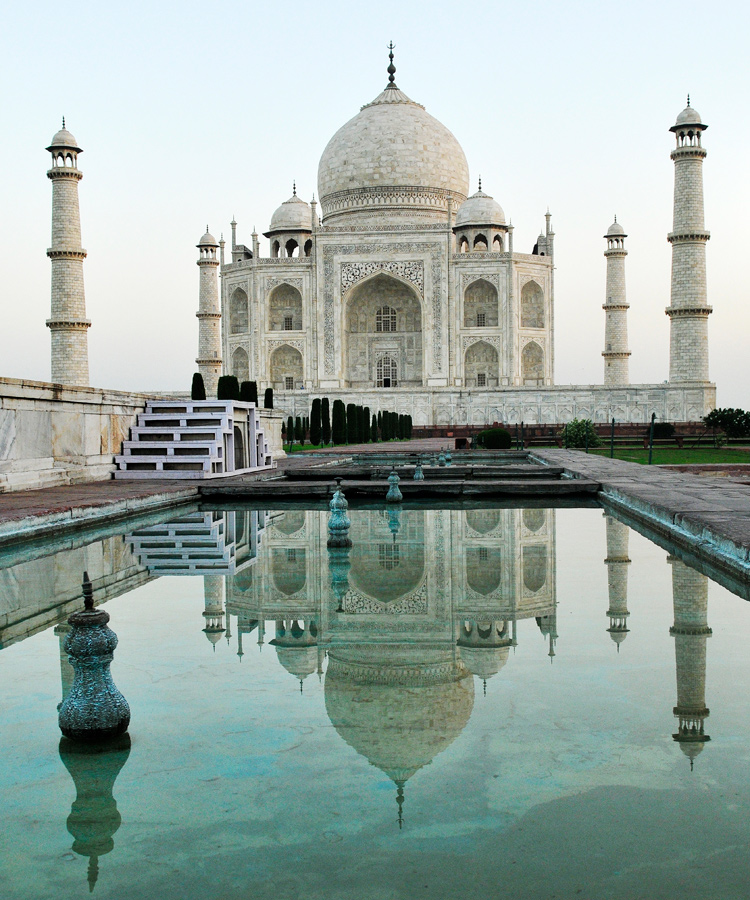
(480, 305)
(532, 305)
(383, 317)
(285, 364)
(240, 365)
(285, 308)
(481, 365)
(238, 317)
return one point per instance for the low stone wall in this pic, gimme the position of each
(552, 404)
(55, 434)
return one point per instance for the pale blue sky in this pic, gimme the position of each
(191, 112)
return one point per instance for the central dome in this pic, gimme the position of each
(392, 160)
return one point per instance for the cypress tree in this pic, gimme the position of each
(298, 431)
(339, 422)
(325, 421)
(268, 399)
(366, 424)
(197, 389)
(351, 423)
(246, 392)
(360, 425)
(409, 426)
(315, 428)
(290, 430)
(380, 424)
(283, 431)
(384, 427)
(228, 388)
(374, 429)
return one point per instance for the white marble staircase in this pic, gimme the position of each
(194, 439)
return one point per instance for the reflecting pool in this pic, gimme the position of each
(466, 703)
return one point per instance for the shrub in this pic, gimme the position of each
(315, 422)
(663, 431)
(351, 423)
(366, 436)
(228, 388)
(733, 422)
(580, 433)
(339, 422)
(268, 399)
(494, 439)
(249, 392)
(325, 421)
(197, 389)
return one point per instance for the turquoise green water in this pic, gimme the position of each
(467, 704)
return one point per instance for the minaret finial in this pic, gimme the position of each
(615, 218)
(64, 119)
(391, 68)
(206, 228)
(480, 182)
(688, 103)
(294, 188)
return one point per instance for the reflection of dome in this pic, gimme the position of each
(392, 156)
(484, 662)
(293, 215)
(399, 715)
(480, 209)
(298, 661)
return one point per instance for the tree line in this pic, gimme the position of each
(229, 388)
(345, 424)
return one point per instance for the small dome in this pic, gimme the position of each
(689, 116)
(480, 209)
(64, 138)
(208, 240)
(615, 230)
(293, 215)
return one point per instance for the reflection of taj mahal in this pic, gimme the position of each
(409, 294)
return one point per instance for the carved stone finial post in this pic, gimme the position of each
(339, 522)
(418, 473)
(394, 495)
(94, 710)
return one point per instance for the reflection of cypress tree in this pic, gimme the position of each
(325, 421)
(94, 817)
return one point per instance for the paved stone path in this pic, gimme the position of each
(712, 515)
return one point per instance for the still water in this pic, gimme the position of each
(468, 703)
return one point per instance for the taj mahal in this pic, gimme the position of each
(405, 291)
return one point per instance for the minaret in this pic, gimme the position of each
(690, 631)
(617, 562)
(689, 311)
(67, 323)
(616, 353)
(209, 314)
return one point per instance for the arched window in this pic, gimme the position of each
(308, 248)
(463, 246)
(275, 250)
(291, 248)
(238, 312)
(385, 319)
(480, 242)
(480, 305)
(532, 364)
(285, 309)
(532, 306)
(497, 244)
(387, 372)
(240, 365)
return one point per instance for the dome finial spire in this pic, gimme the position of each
(480, 182)
(294, 188)
(64, 119)
(688, 101)
(391, 68)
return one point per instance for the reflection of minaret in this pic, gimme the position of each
(690, 630)
(548, 627)
(617, 578)
(213, 592)
(484, 647)
(94, 817)
(296, 645)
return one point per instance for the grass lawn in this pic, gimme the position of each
(673, 456)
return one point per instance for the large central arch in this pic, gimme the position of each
(383, 318)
